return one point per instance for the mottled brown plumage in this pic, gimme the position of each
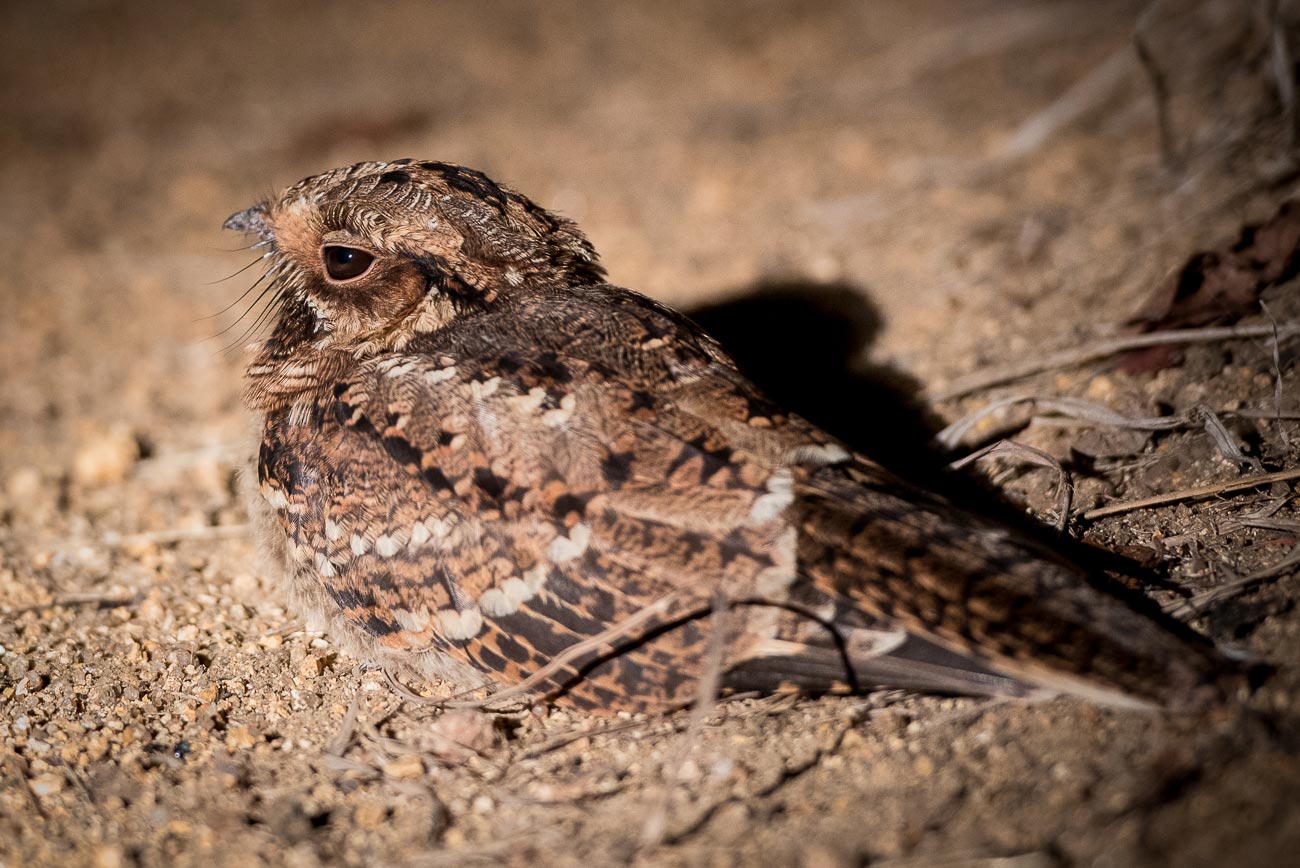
(477, 454)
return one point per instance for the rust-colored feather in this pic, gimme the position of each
(483, 464)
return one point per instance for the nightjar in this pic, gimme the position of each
(483, 464)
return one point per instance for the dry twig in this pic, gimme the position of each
(67, 601)
(339, 744)
(565, 739)
(1284, 525)
(558, 662)
(1277, 375)
(1159, 88)
(1086, 411)
(1283, 71)
(1011, 449)
(1102, 349)
(1089, 93)
(179, 534)
(1072, 408)
(1198, 493)
(706, 694)
(1205, 599)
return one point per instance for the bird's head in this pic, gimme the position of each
(365, 257)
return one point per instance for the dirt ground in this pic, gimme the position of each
(869, 199)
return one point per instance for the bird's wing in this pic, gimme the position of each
(503, 512)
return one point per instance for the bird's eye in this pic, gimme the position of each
(345, 263)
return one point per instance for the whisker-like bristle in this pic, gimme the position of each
(253, 246)
(268, 312)
(242, 270)
(243, 295)
(278, 289)
(270, 287)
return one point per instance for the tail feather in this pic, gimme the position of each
(976, 590)
(907, 663)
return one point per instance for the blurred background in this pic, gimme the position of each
(982, 176)
(865, 199)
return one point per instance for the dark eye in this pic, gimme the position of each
(345, 263)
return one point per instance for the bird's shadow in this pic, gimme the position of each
(804, 344)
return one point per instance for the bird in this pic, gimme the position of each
(484, 466)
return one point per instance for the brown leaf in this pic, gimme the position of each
(1221, 285)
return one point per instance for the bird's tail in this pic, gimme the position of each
(994, 607)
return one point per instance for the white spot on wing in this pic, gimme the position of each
(440, 375)
(564, 549)
(400, 370)
(507, 598)
(780, 494)
(323, 566)
(494, 603)
(818, 454)
(518, 591)
(463, 624)
(535, 578)
(479, 390)
(360, 545)
(439, 528)
(560, 415)
(774, 582)
(528, 404)
(386, 546)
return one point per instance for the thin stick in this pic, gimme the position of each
(402, 691)
(67, 601)
(1159, 88)
(1259, 413)
(1012, 449)
(705, 696)
(1283, 71)
(1285, 525)
(1277, 376)
(1087, 411)
(569, 738)
(1199, 493)
(574, 651)
(1209, 597)
(1100, 350)
(1075, 408)
(1088, 93)
(179, 534)
(339, 744)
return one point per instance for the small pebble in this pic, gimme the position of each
(405, 768)
(240, 738)
(24, 484)
(370, 815)
(109, 856)
(46, 784)
(106, 459)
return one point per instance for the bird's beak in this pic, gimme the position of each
(251, 221)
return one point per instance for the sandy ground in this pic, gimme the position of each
(866, 200)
